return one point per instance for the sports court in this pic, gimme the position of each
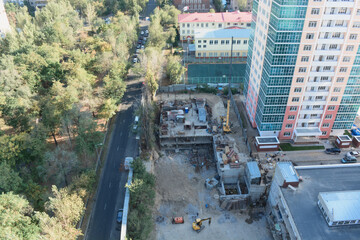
(215, 73)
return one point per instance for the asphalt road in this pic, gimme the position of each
(111, 190)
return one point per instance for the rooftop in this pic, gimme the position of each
(288, 171)
(253, 169)
(223, 33)
(303, 202)
(265, 140)
(344, 138)
(216, 17)
(343, 205)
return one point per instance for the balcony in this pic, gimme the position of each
(318, 83)
(311, 111)
(314, 102)
(342, 3)
(307, 131)
(325, 63)
(322, 74)
(333, 28)
(327, 51)
(316, 93)
(336, 16)
(330, 40)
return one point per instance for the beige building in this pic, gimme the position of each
(217, 43)
(38, 3)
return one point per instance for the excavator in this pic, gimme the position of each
(197, 224)
(226, 126)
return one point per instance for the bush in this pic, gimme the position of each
(206, 89)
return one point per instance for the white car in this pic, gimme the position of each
(353, 153)
(147, 31)
(137, 50)
(135, 60)
(142, 46)
(142, 32)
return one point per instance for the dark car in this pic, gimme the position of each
(333, 151)
(143, 42)
(119, 216)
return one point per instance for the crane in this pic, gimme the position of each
(226, 126)
(197, 224)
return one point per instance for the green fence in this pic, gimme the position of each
(204, 80)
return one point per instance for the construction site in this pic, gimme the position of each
(205, 173)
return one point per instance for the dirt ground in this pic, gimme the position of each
(181, 192)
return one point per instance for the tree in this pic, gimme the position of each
(212, 10)
(9, 179)
(108, 108)
(61, 162)
(66, 209)
(174, 69)
(218, 5)
(242, 4)
(151, 81)
(16, 218)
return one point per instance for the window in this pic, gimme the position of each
(295, 99)
(333, 46)
(188, 25)
(220, 25)
(215, 41)
(327, 68)
(356, 24)
(318, 98)
(309, 36)
(358, 12)
(336, 35)
(183, 24)
(199, 41)
(286, 134)
(353, 36)
(346, 59)
(204, 41)
(297, 89)
(340, 79)
(316, 107)
(211, 42)
(222, 42)
(350, 48)
(204, 46)
(328, 116)
(245, 41)
(238, 42)
(206, 25)
(300, 80)
(227, 42)
(342, 10)
(331, 108)
(183, 31)
(337, 89)
(324, 133)
(307, 47)
(302, 69)
(292, 109)
(321, 88)
(334, 99)
(202, 25)
(312, 24)
(197, 25)
(199, 46)
(199, 54)
(315, 11)
(343, 69)
(288, 125)
(304, 58)
(291, 117)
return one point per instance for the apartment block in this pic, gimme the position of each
(217, 43)
(234, 5)
(303, 67)
(4, 22)
(192, 5)
(194, 22)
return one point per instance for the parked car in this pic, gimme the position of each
(139, 42)
(349, 159)
(136, 122)
(143, 42)
(137, 50)
(119, 216)
(141, 37)
(142, 46)
(142, 33)
(147, 31)
(145, 39)
(353, 153)
(138, 46)
(135, 60)
(333, 151)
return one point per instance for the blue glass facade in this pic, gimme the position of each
(283, 39)
(350, 101)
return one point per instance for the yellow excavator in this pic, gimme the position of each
(226, 126)
(197, 224)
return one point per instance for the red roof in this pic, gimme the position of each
(216, 17)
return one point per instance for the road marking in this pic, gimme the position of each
(117, 149)
(105, 206)
(110, 185)
(120, 134)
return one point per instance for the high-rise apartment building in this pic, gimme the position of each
(4, 22)
(303, 67)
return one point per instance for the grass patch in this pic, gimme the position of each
(347, 133)
(289, 147)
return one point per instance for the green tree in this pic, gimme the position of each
(242, 4)
(61, 162)
(9, 179)
(108, 108)
(16, 218)
(174, 69)
(151, 81)
(218, 5)
(66, 209)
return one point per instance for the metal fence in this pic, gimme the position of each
(193, 87)
(204, 80)
(193, 59)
